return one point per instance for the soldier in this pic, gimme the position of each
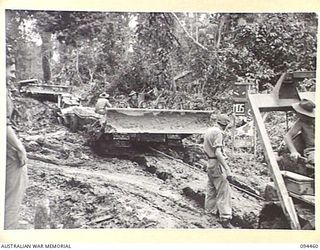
(218, 197)
(102, 103)
(16, 170)
(133, 101)
(305, 125)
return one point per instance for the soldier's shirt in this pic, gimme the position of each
(307, 132)
(213, 138)
(101, 104)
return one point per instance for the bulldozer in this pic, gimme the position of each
(121, 129)
(125, 128)
(287, 188)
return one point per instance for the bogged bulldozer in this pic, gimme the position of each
(124, 128)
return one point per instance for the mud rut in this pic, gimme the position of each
(100, 199)
(147, 190)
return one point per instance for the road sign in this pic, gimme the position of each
(240, 90)
(239, 108)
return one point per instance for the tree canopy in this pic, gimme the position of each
(197, 54)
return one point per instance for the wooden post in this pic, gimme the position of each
(254, 141)
(286, 201)
(233, 133)
(287, 122)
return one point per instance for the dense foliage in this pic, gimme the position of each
(188, 54)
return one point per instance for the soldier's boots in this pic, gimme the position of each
(225, 223)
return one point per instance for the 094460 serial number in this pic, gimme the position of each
(309, 246)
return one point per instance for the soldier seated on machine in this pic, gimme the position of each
(300, 140)
(102, 103)
(133, 99)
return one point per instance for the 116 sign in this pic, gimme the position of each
(239, 109)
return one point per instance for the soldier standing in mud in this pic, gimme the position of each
(218, 197)
(16, 170)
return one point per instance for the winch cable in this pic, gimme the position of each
(186, 164)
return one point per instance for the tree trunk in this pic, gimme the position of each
(187, 33)
(197, 28)
(174, 86)
(91, 75)
(221, 24)
(77, 67)
(46, 55)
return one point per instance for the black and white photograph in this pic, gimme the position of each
(160, 120)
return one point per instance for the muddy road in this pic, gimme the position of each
(146, 190)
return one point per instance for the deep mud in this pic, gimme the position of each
(144, 190)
